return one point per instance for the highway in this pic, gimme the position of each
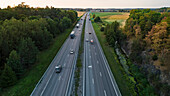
(98, 79)
(60, 84)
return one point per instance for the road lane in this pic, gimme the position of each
(104, 83)
(53, 84)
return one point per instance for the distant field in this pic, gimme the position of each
(110, 17)
(101, 14)
(80, 13)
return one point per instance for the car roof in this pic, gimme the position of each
(57, 66)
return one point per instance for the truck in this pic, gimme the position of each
(72, 35)
(77, 26)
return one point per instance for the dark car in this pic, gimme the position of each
(91, 41)
(58, 68)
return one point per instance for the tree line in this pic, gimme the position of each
(146, 31)
(149, 31)
(25, 31)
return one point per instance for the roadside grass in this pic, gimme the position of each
(113, 61)
(25, 86)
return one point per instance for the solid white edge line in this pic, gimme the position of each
(46, 85)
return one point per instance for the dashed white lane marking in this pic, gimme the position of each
(90, 56)
(105, 93)
(97, 61)
(95, 53)
(90, 66)
(100, 74)
(64, 64)
(94, 47)
(59, 78)
(93, 81)
(68, 55)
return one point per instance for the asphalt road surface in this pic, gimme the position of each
(98, 78)
(60, 84)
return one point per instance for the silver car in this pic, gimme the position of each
(87, 40)
(58, 68)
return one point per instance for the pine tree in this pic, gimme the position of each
(27, 52)
(8, 77)
(14, 62)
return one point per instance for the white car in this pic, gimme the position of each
(71, 51)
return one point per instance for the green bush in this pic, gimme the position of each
(97, 19)
(155, 57)
(102, 29)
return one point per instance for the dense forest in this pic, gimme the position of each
(146, 42)
(24, 32)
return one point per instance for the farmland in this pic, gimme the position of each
(80, 13)
(110, 17)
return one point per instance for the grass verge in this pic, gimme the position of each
(25, 85)
(79, 61)
(112, 60)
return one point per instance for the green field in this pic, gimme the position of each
(112, 60)
(25, 85)
(101, 14)
(109, 17)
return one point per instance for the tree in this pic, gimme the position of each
(129, 27)
(137, 31)
(148, 26)
(8, 77)
(97, 19)
(27, 51)
(14, 62)
(94, 15)
(157, 38)
(72, 15)
(53, 27)
(65, 23)
(136, 48)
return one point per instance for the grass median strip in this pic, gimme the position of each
(79, 62)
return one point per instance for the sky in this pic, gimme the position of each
(89, 3)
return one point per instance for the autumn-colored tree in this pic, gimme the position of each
(94, 15)
(129, 27)
(137, 31)
(158, 39)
